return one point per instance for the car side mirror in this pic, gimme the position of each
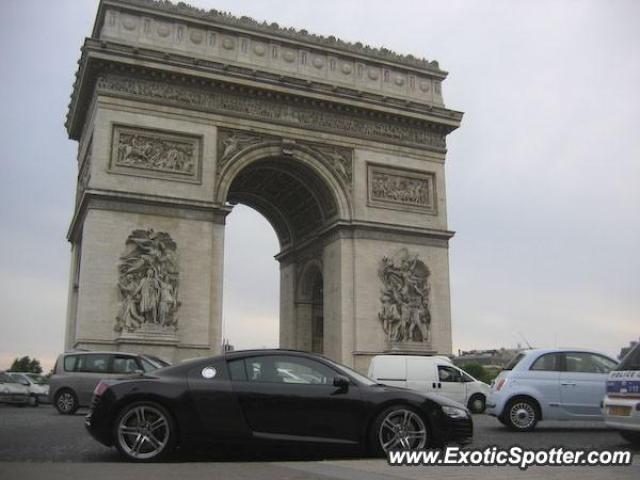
(25, 383)
(341, 381)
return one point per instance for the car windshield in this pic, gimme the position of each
(632, 360)
(5, 378)
(352, 373)
(514, 361)
(157, 361)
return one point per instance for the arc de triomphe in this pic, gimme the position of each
(180, 114)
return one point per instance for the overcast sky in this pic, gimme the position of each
(543, 176)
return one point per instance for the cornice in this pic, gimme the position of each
(250, 25)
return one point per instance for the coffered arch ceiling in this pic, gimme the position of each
(291, 196)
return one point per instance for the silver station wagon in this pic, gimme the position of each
(76, 375)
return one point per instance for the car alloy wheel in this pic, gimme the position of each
(402, 429)
(144, 432)
(522, 415)
(66, 402)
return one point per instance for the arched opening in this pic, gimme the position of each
(297, 202)
(251, 281)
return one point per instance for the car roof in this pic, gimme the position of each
(535, 351)
(103, 352)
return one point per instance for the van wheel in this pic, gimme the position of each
(66, 402)
(522, 414)
(477, 403)
(632, 437)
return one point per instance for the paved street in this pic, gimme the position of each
(31, 438)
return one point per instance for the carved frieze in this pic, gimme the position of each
(400, 188)
(337, 159)
(138, 151)
(319, 116)
(148, 284)
(405, 311)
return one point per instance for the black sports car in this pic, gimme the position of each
(268, 396)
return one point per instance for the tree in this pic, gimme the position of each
(26, 364)
(478, 371)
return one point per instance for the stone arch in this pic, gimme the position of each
(304, 166)
(309, 305)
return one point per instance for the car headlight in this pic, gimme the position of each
(455, 412)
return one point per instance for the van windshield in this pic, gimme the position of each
(514, 361)
(632, 360)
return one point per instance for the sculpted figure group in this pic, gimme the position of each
(148, 282)
(405, 315)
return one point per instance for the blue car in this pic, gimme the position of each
(550, 384)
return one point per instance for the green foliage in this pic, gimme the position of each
(26, 364)
(479, 372)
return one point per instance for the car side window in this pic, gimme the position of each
(125, 364)
(94, 363)
(286, 369)
(583, 362)
(449, 374)
(549, 362)
(237, 371)
(147, 366)
(70, 363)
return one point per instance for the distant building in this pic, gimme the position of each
(487, 358)
(625, 350)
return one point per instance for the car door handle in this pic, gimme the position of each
(568, 384)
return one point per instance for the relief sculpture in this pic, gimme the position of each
(148, 283)
(405, 315)
(402, 189)
(155, 153)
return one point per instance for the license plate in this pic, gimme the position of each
(620, 411)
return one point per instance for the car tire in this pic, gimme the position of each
(398, 427)
(632, 437)
(66, 402)
(521, 414)
(145, 432)
(477, 403)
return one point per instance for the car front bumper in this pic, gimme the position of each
(622, 413)
(14, 398)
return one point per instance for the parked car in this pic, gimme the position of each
(76, 374)
(37, 384)
(434, 374)
(622, 401)
(266, 397)
(550, 384)
(11, 391)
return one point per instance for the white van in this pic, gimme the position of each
(430, 374)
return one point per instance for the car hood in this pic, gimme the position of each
(13, 388)
(434, 397)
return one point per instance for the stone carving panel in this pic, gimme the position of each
(318, 117)
(405, 313)
(137, 151)
(399, 188)
(338, 159)
(148, 284)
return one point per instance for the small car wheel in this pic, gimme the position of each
(145, 432)
(398, 427)
(632, 437)
(521, 415)
(477, 403)
(66, 402)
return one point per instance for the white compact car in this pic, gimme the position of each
(37, 385)
(621, 406)
(430, 374)
(550, 384)
(12, 392)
